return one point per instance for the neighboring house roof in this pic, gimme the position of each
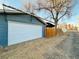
(49, 25)
(18, 12)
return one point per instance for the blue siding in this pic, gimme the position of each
(35, 21)
(43, 30)
(19, 18)
(24, 19)
(3, 31)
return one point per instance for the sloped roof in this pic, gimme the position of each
(15, 11)
(9, 11)
(50, 25)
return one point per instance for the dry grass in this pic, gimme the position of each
(36, 49)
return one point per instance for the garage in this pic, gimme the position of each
(17, 27)
(23, 27)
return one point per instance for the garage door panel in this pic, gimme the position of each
(19, 32)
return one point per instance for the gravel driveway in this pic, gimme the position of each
(60, 47)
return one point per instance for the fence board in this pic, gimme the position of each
(50, 32)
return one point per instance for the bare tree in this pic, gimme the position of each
(56, 9)
(28, 5)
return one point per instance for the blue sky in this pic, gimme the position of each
(73, 19)
(14, 3)
(75, 15)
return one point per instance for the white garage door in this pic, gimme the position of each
(20, 32)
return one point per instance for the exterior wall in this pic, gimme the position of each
(43, 30)
(3, 32)
(20, 32)
(24, 19)
(19, 28)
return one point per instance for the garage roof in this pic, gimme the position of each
(15, 11)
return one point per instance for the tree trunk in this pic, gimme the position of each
(55, 28)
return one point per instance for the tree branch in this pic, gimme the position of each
(63, 14)
(47, 8)
(52, 13)
(43, 8)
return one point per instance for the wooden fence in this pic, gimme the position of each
(50, 32)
